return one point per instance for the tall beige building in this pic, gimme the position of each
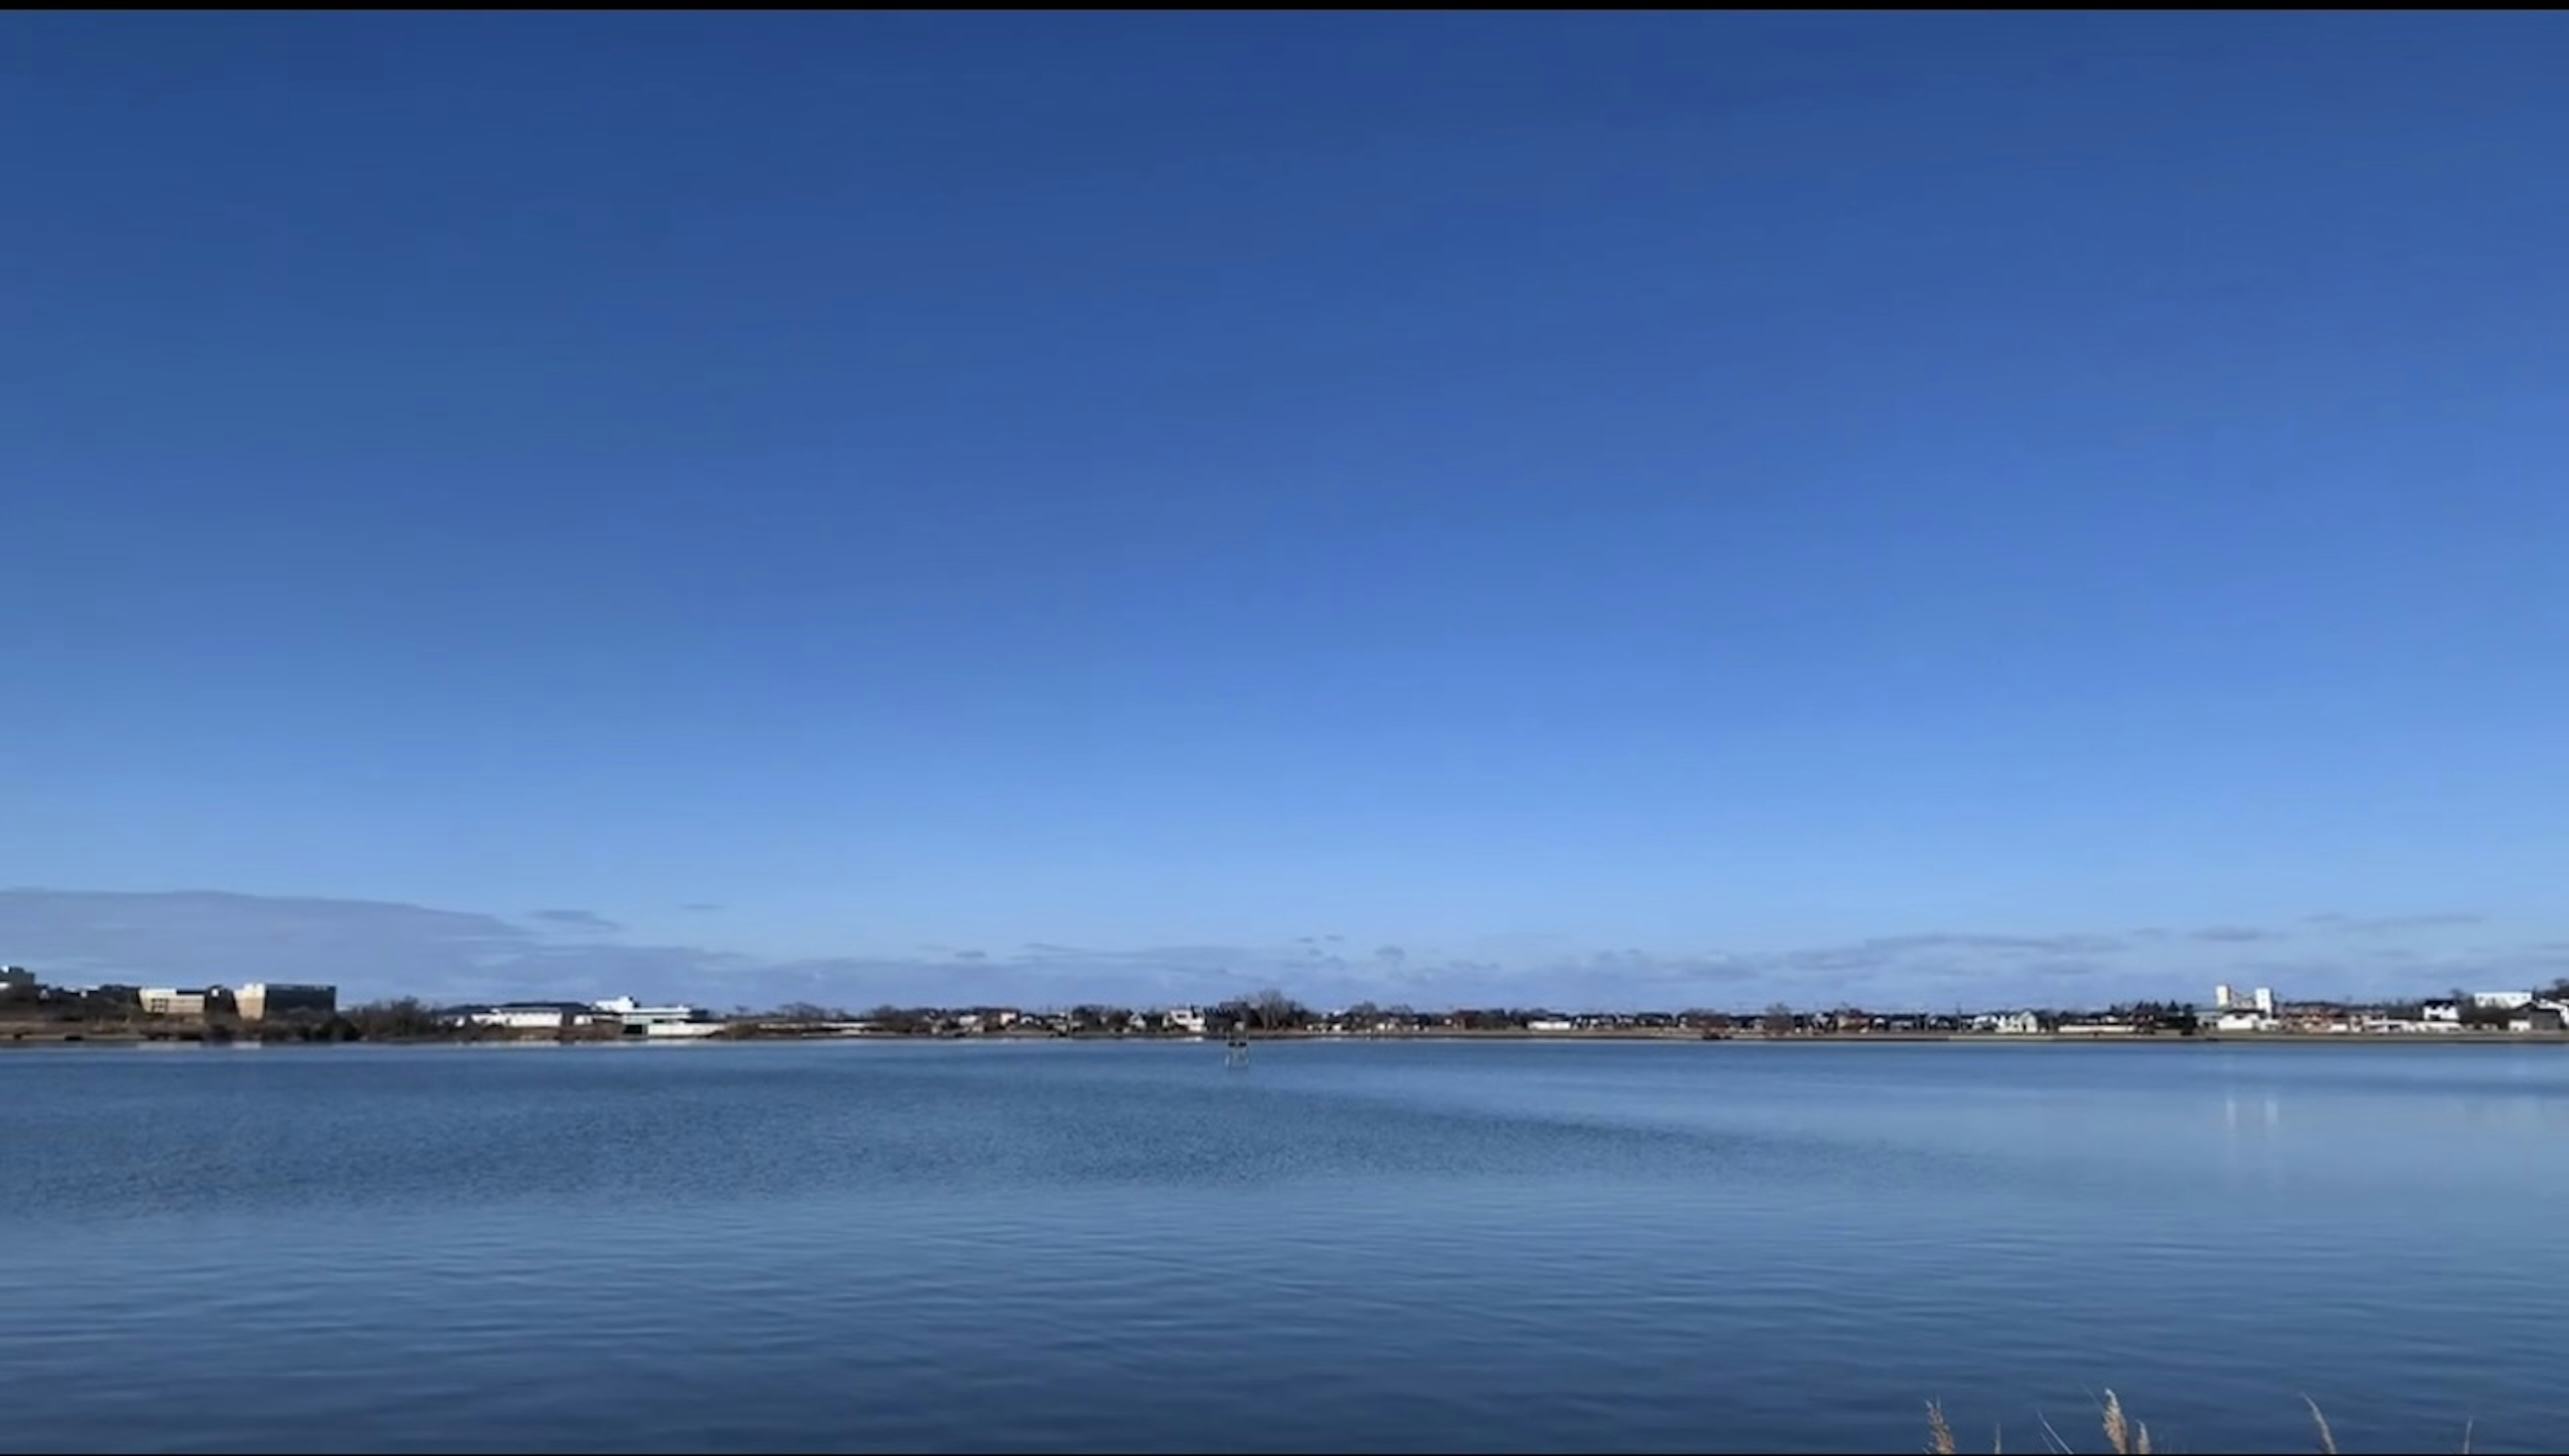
(260, 1000)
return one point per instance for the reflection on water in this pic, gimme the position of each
(2266, 1112)
(1405, 1248)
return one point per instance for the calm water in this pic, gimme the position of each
(1405, 1248)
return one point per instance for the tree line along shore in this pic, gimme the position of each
(114, 1017)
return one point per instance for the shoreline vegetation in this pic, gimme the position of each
(46, 1016)
(2125, 1436)
(188, 1031)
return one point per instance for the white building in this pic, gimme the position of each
(658, 1021)
(2538, 1014)
(2502, 1000)
(1189, 1020)
(2227, 998)
(529, 1017)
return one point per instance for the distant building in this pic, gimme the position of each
(2502, 1000)
(2227, 998)
(184, 1001)
(664, 1021)
(17, 983)
(522, 1015)
(260, 1000)
(2094, 1025)
(528, 1015)
(524, 1019)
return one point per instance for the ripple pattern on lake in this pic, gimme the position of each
(1408, 1247)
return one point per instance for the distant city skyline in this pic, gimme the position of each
(1598, 511)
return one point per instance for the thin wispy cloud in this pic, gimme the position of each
(188, 936)
(2385, 925)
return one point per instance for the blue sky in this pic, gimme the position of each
(1642, 508)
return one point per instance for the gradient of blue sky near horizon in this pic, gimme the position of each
(1537, 507)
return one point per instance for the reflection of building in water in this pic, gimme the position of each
(2266, 1112)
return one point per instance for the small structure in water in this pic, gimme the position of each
(1234, 1052)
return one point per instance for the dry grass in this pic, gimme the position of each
(2123, 1435)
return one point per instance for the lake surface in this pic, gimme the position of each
(1410, 1246)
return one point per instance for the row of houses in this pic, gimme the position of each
(2520, 1013)
(1008, 1021)
(2234, 1012)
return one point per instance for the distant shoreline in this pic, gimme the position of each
(55, 1038)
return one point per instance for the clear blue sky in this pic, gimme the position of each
(1661, 508)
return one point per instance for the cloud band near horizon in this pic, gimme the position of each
(378, 947)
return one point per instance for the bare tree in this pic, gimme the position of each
(808, 1012)
(406, 1016)
(1272, 1010)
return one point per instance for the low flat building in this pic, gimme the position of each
(529, 1015)
(2539, 1016)
(184, 1000)
(659, 1021)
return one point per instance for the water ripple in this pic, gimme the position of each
(1406, 1248)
